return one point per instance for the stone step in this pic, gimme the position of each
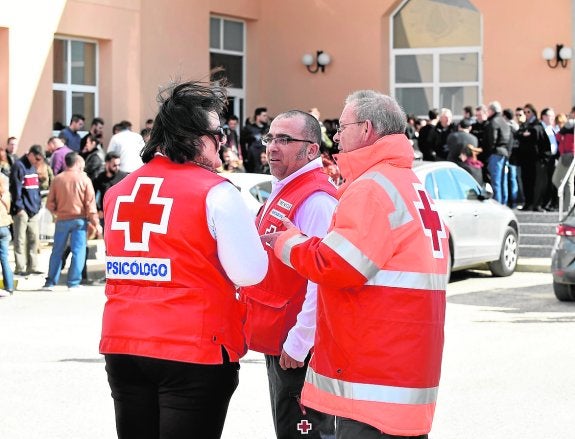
(534, 251)
(537, 239)
(536, 228)
(537, 217)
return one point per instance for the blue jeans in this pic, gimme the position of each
(75, 229)
(6, 269)
(496, 167)
(513, 181)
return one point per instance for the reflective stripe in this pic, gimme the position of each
(400, 215)
(289, 244)
(371, 392)
(353, 255)
(405, 279)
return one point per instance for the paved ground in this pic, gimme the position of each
(507, 373)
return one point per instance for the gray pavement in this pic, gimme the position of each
(507, 370)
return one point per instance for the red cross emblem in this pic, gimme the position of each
(304, 427)
(141, 213)
(430, 220)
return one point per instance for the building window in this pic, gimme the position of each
(436, 55)
(227, 50)
(75, 81)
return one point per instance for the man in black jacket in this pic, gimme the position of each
(497, 146)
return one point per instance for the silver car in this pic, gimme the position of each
(563, 259)
(480, 229)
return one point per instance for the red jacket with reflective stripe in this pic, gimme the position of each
(274, 303)
(191, 312)
(381, 275)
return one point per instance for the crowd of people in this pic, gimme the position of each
(67, 179)
(522, 153)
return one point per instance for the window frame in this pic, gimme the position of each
(69, 88)
(238, 93)
(435, 53)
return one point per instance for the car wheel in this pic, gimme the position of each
(505, 265)
(563, 292)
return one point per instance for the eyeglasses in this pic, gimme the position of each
(268, 139)
(220, 134)
(341, 127)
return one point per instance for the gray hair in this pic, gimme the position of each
(383, 111)
(495, 106)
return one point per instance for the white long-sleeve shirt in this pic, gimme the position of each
(240, 250)
(313, 218)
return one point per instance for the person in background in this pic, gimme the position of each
(96, 131)
(497, 147)
(233, 139)
(566, 146)
(5, 221)
(70, 133)
(94, 156)
(281, 316)
(12, 146)
(513, 179)
(6, 161)
(381, 272)
(231, 162)
(58, 155)
(26, 203)
(129, 145)
(188, 239)
(251, 137)
(106, 179)
(71, 201)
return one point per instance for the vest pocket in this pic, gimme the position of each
(266, 321)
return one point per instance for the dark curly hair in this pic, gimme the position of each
(182, 120)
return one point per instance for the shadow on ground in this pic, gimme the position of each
(531, 304)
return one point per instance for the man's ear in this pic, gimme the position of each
(313, 151)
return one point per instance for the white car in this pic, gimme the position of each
(480, 229)
(255, 188)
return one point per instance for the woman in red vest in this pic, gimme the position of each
(178, 241)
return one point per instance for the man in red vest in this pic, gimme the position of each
(282, 308)
(381, 272)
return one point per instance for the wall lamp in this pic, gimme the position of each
(321, 60)
(558, 56)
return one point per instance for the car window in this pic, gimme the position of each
(430, 186)
(467, 184)
(446, 185)
(262, 191)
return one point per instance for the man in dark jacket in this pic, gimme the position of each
(26, 203)
(251, 139)
(496, 147)
(534, 154)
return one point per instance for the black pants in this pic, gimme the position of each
(291, 419)
(161, 399)
(350, 429)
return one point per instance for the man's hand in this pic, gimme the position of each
(287, 362)
(269, 239)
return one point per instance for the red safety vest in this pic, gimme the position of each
(167, 294)
(381, 275)
(274, 303)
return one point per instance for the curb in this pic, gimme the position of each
(533, 265)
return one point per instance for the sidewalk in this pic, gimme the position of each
(95, 266)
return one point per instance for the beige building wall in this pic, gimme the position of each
(143, 44)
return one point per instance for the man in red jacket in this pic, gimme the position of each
(381, 272)
(282, 308)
